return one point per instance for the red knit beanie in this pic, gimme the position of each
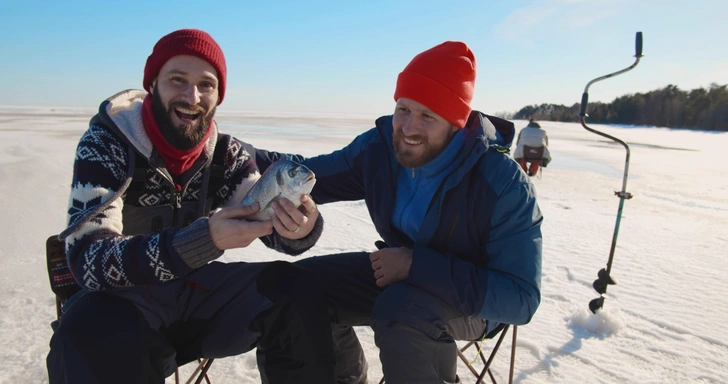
(191, 42)
(443, 79)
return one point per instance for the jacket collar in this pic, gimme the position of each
(482, 132)
(122, 112)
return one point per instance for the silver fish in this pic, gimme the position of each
(283, 179)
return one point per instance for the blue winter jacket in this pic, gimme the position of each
(479, 246)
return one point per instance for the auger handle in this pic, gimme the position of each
(638, 45)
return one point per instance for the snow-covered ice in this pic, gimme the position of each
(662, 323)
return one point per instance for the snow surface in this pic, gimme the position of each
(663, 323)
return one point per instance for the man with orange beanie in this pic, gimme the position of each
(461, 250)
(155, 200)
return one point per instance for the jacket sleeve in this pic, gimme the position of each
(338, 178)
(339, 174)
(99, 256)
(506, 288)
(513, 282)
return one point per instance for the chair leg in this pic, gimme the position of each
(513, 354)
(204, 372)
(59, 305)
(465, 359)
(492, 354)
(200, 372)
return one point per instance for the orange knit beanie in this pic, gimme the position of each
(443, 79)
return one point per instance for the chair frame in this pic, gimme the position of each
(487, 362)
(200, 372)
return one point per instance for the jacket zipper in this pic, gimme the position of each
(176, 196)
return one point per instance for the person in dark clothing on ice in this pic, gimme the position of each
(154, 201)
(459, 221)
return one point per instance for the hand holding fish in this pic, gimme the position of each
(391, 265)
(294, 222)
(228, 231)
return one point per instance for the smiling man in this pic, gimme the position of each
(184, 117)
(155, 199)
(459, 220)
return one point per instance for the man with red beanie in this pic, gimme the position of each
(461, 229)
(155, 199)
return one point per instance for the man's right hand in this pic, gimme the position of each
(391, 265)
(229, 229)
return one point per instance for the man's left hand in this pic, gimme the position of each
(294, 223)
(391, 265)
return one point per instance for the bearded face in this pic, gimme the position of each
(420, 135)
(417, 150)
(182, 136)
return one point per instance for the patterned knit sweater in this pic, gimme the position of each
(100, 256)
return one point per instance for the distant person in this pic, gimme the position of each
(154, 201)
(461, 227)
(538, 155)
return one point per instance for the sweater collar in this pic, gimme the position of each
(176, 160)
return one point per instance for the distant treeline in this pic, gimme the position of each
(668, 107)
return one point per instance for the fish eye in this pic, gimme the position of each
(291, 173)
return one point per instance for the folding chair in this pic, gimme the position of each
(534, 155)
(479, 376)
(64, 286)
(487, 362)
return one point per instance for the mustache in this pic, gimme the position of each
(400, 135)
(196, 108)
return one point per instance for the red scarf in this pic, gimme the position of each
(176, 160)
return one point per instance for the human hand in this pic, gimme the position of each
(391, 265)
(294, 223)
(229, 229)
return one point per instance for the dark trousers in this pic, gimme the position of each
(414, 330)
(141, 334)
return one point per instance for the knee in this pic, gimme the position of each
(396, 339)
(410, 307)
(394, 318)
(392, 336)
(99, 316)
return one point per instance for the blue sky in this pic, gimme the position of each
(344, 56)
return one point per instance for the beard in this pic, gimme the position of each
(185, 136)
(410, 158)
